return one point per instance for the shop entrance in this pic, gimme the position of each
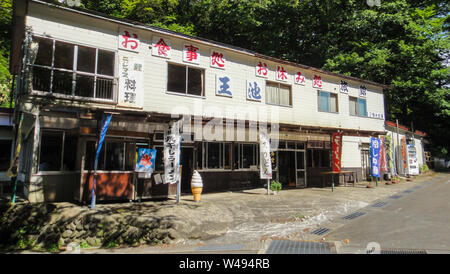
(186, 161)
(291, 170)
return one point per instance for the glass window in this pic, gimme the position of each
(63, 55)
(70, 152)
(214, 155)
(86, 59)
(41, 79)
(90, 156)
(115, 155)
(159, 161)
(353, 101)
(362, 107)
(278, 94)
(358, 106)
(328, 102)
(44, 54)
(5, 154)
(248, 152)
(199, 155)
(227, 156)
(105, 63)
(84, 86)
(185, 80)
(50, 151)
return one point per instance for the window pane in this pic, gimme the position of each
(114, 156)
(176, 81)
(41, 79)
(62, 82)
(44, 54)
(214, 155)
(104, 88)
(159, 164)
(105, 63)
(353, 106)
(130, 156)
(362, 107)
(84, 86)
(227, 152)
(90, 156)
(324, 101)
(195, 84)
(324, 158)
(236, 156)
(63, 55)
(333, 103)
(86, 59)
(199, 155)
(285, 95)
(272, 96)
(70, 152)
(50, 152)
(5, 154)
(247, 155)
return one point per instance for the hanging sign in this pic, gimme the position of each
(217, 59)
(375, 157)
(161, 47)
(261, 70)
(343, 87)
(281, 73)
(299, 78)
(254, 89)
(362, 91)
(146, 160)
(131, 81)
(172, 143)
(191, 54)
(224, 85)
(265, 164)
(337, 151)
(383, 161)
(128, 40)
(317, 81)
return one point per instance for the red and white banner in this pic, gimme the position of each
(337, 151)
(383, 163)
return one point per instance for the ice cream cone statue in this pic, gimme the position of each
(196, 186)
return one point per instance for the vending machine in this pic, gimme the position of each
(413, 165)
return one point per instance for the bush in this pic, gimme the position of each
(275, 186)
(424, 168)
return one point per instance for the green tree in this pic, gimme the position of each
(5, 40)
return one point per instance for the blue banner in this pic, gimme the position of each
(375, 157)
(105, 123)
(146, 160)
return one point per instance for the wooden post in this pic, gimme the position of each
(179, 186)
(268, 186)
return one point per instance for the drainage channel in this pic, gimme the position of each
(295, 247)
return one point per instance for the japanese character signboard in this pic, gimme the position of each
(261, 70)
(145, 160)
(217, 59)
(131, 82)
(282, 74)
(172, 143)
(375, 157)
(317, 81)
(375, 115)
(383, 162)
(161, 47)
(254, 89)
(265, 165)
(129, 40)
(343, 87)
(191, 54)
(300, 79)
(337, 150)
(362, 91)
(224, 86)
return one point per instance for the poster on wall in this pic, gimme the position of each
(265, 165)
(145, 160)
(131, 81)
(337, 151)
(172, 144)
(375, 157)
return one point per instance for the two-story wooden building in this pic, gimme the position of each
(74, 65)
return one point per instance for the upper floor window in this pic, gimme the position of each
(358, 106)
(185, 80)
(328, 102)
(70, 69)
(278, 94)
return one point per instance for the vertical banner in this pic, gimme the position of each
(337, 151)
(146, 160)
(172, 143)
(265, 163)
(131, 81)
(106, 119)
(383, 162)
(375, 157)
(404, 159)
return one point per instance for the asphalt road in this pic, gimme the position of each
(419, 220)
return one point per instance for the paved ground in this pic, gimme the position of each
(247, 221)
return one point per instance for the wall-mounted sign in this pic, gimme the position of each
(282, 74)
(129, 40)
(254, 89)
(317, 81)
(375, 115)
(145, 160)
(362, 91)
(224, 85)
(337, 150)
(265, 168)
(261, 70)
(131, 81)
(191, 54)
(217, 59)
(161, 47)
(300, 79)
(343, 87)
